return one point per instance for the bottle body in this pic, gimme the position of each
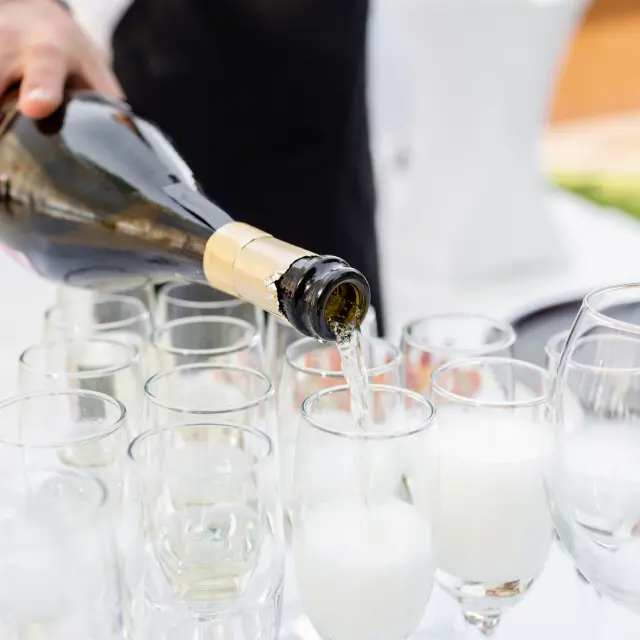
(95, 188)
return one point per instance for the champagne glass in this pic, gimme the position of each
(280, 334)
(310, 366)
(593, 483)
(58, 568)
(92, 364)
(363, 535)
(109, 315)
(210, 391)
(494, 528)
(178, 300)
(207, 339)
(86, 285)
(431, 341)
(209, 556)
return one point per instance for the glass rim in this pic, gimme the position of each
(132, 357)
(137, 442)
(436, 387)
(142, 315)
(250, 404)
(313, 371)
(507, 340)
(577, 365)
(114, 426)
(369, 436)
(213, 351)
(141, 280)
(166, 292)
(606, 320)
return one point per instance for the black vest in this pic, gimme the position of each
(265, 99)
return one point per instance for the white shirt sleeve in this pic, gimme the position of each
(99, 18)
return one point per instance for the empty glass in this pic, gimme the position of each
(178, 300)
(106, 281)
(210, 391)
(430, 342)
(91, 364)
(58, 569)
(209, 558)
(311, 366)
(207, 339)
(111, 316)
(494, 527)
(363, 535)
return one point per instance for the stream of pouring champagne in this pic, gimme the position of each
(94, 188)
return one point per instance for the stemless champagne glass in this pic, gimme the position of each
(494, 528)
(177, 300)
(58, 568)
(210, 391)
(363, 535)
(210, 555)
(106, 281)
(114, 316)
(594, 481)
(310, 366)
(91, 364)
(430, 342)
(212, 339)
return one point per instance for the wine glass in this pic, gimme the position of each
(594, 480)
(177, 300)
(363, 535)
(280, 334)
(91, 364)
(207, 560)
(195, 392)
(207, 339)
(494, 527)
(112, 316)
(431, 341)
(310, 366)
(86, 285)
(59, 574)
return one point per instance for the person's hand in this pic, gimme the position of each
(41, 46)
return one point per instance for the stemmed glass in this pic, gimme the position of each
(310, 366)
(213, 339)
(177, 300)
(363, 536)
(92, 364)
(195, 392)
(206, 561)
(494, 528)
(431, 341)
(594, 481)
(59, 574)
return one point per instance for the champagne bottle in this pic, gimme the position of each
(93, 187)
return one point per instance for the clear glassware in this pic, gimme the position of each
(363, 534)
(228, 393)
(207, 339)
(594, 481)
(59, 575)
(280, 334)
(110, 281)
(309, 367)
(113, 316)
(90, 364)
(208, 560)
(494, 527)
(177, 300)
(431, 341)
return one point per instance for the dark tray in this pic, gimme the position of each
(534, 329)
